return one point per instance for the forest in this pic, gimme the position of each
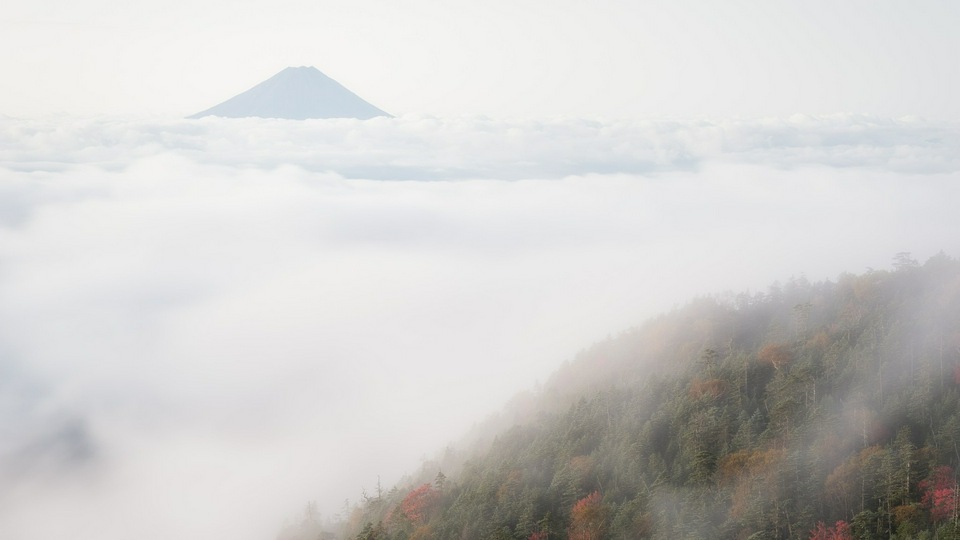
(827, 410)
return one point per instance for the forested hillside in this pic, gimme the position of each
(813, 410)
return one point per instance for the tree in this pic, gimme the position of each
(764, 436)
(903, 261)
(416, 505)
(372, 532)
(940, 494)
(775, 354)
(840, 531)
(440, 480)
(588, 519)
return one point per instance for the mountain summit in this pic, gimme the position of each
(296, 93)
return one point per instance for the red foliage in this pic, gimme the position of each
(940, 493)
(942, 504)
(418, 502)
(840, 531)
(539, 535)
(587, 519)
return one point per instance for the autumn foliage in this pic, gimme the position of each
(732, 418)
(416, 505)
(775, 354)
(709, 389)
(840, 531)
(750, 472)
(588, 519)
(940, 493)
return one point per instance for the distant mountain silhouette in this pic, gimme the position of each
(296, 93)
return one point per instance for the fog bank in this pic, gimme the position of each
(204, 324)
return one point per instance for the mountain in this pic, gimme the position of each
(826, 410)
(296, 93)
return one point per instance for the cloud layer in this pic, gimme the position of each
(203, 324)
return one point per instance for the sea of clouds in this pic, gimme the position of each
(206, 323)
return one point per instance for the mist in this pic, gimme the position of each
(206, 324)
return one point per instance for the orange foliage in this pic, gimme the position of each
(710, 388)
(775, 354)
(752, 471)
(510, 486)
(840, 484)
(906, 513)
(422, 533)
(820, 340)
(763, 460)
(865, 286)
(732, 466)
(843, 484)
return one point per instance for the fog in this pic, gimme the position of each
(206, 324)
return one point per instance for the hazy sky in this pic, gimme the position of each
(205, 324)
(501, 58)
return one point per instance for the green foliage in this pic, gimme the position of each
(815, 409)
(372, 532)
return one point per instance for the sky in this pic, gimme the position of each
(206, 323)
(504, 59)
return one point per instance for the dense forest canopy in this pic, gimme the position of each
(812, 410)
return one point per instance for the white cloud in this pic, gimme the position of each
(204, 324)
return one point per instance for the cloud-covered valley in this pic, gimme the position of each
(204, 324)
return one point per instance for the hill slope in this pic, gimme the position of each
(826, 410)
(296, 93)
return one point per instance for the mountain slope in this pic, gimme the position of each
(296, 93)
(826, 410)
